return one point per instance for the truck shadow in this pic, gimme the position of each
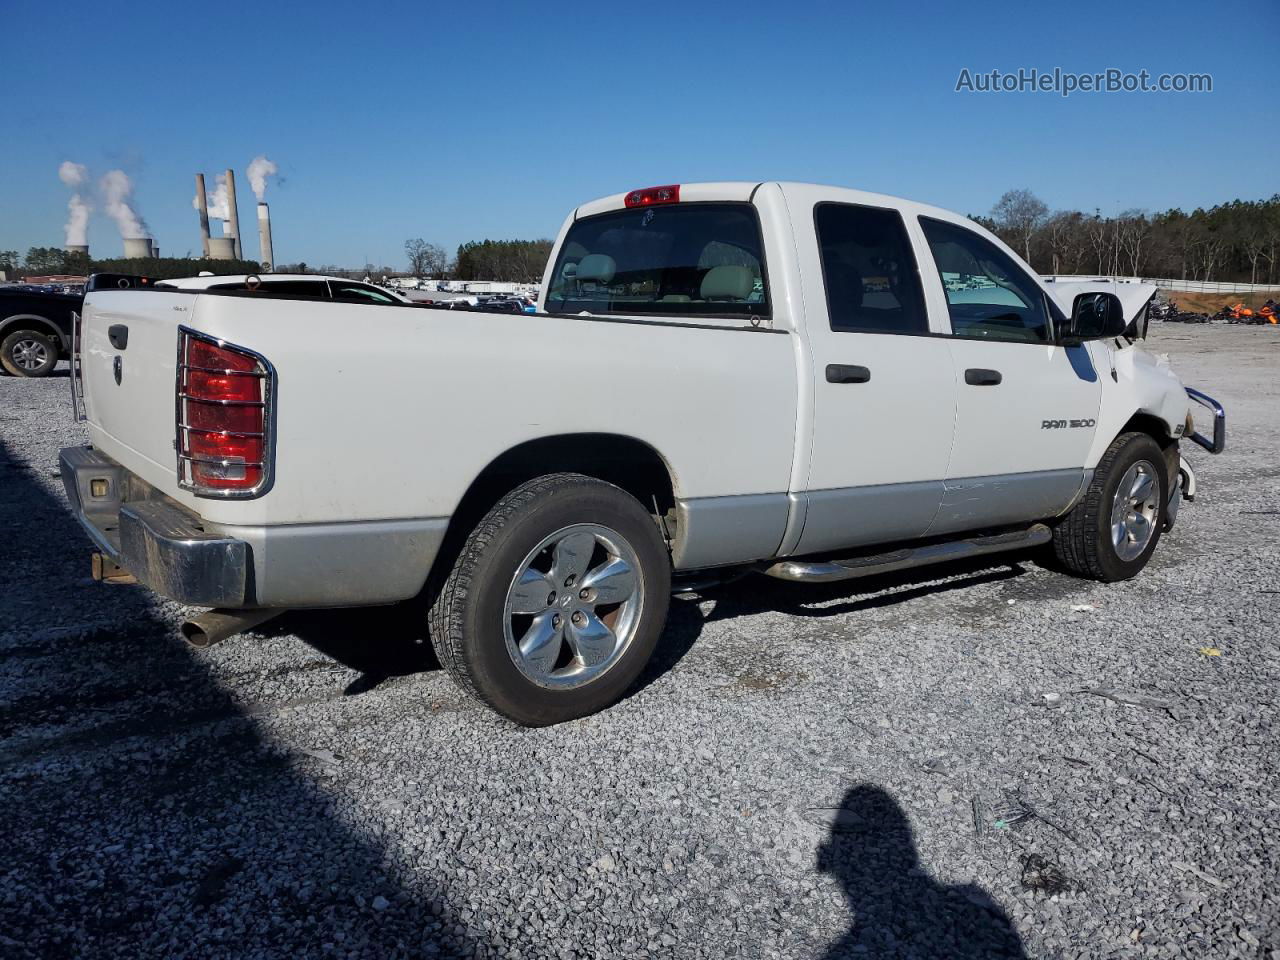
(144, 812)
(757, 594)
(897, 909)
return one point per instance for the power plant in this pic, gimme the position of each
(116, 189)
(228, 246)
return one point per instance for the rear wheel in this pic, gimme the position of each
(556, 601)
(1113, 531)
(29, 353)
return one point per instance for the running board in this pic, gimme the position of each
(824, 571)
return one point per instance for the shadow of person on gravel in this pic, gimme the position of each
(145, 812)
(898, 911)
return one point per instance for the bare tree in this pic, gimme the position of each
(1134, 229)
(425, 259)
(1019, 213)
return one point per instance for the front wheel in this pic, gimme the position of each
(29, 353)
(1113, 531)
(556, 602)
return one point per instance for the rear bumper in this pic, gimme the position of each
(181, 556)
(165, 546)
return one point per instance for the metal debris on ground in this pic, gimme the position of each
(1196, 871)
(1044, 876)
(1011, 812)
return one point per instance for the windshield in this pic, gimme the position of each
(699, 258)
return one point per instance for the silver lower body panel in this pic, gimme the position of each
(178, 555)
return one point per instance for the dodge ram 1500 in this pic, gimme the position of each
(807, 382)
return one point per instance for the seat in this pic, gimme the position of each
(728, 282)
(596, 268)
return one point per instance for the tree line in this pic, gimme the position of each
(49, 261)
(1231, 242)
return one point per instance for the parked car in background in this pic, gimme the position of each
(35, 329)
(290, 285)
(501, 305)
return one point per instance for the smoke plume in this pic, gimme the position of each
(117, 192)
(216, 200)
(259, 169)
(74, 175)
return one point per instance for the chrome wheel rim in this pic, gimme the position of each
(573, 606)
(1134, 510)
(29, 354)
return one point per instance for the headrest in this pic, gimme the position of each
(728, 283)
(596, 267)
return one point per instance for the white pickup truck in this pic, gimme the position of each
(809, 382)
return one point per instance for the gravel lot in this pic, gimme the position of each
(804, 772)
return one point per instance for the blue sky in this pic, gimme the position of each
(398, 120)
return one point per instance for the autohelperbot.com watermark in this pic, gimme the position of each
(1066, 82)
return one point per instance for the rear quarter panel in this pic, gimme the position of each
(387, 413)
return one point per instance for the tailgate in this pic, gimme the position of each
(128, 359)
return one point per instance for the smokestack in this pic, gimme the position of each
(233, 214)
(222, 248)
(264, 237)
(202, 205)
(136, 247)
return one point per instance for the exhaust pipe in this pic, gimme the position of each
(214, 626)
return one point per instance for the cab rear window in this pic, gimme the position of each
(701, 259)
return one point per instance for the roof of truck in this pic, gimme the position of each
(743, 190)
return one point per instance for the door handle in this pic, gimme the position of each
(118, 334)
(978, 377)
(847, 373)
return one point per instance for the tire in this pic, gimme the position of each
(29, 353)
(494, 631)
(1088, 541)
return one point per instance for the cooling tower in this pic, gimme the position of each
(222, 248)
(136, 247)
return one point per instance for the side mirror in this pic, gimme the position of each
(1095, 316)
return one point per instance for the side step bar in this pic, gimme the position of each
(825, 571)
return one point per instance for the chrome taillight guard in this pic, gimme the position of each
(267, 374)
(77, 386)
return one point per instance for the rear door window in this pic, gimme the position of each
(683, 259)
(869, 270)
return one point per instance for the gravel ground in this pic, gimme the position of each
(868, 770)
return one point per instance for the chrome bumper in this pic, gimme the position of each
(1219, 441)
(163, 545)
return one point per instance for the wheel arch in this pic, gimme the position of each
(1159, 430)
(625, 461)
(33, 321)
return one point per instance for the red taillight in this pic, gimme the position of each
(224, 397)
(654, 195)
